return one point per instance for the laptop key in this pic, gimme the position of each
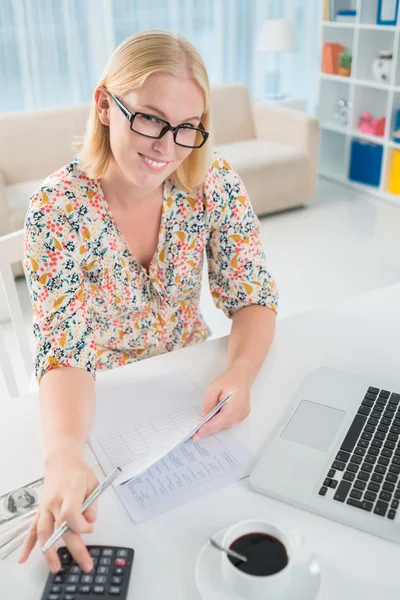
(386, 496)
(359, 485)
(397, 495)
(379, 435)
(395, 504)
(327, 481)
(384, 393)
(373, 487)
(381, 401)
(386, 421)
(376, 443)
(383, 460)
(383, 428)
(339, 466)
(380, 469)
(373, 390)
(349, 476)
(388, 415)
(334, 484)
(376, 413)
(391, 514)
(323, 491)
(393, 437)
(395, 398)
(394, 469)
(352, 467)
(366, 467)
(343, 456)
(373, 451)
(363, 443)
(371, 428)
(363, 475)
(377, 478)
(370, 496)
(331, 473)
(367, 402)
(387, 452)
(389, 445)
(364, 504)
(357, 494)
(388, 487)
(342, 491)
(392, 477)
(359, 451)
(370, 458)
(381, 508)
(391, 406)
(364, 410)
(353, 433)
(357, 460)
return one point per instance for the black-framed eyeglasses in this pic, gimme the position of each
(153, 127)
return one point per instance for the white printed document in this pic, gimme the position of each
(146, 429)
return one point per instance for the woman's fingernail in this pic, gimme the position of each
(88, 566)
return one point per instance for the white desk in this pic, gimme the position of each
(360, 335)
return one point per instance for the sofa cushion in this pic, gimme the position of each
(17, 198)
(231, 114)
(271, 172)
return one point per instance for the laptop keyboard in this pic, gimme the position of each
(365, 473)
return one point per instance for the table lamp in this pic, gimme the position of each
(277, 36)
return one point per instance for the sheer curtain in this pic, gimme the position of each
(52, 52)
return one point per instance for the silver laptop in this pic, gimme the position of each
(338, 453)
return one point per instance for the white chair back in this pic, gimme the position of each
(16, 373)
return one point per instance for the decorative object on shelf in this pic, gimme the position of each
(277, 36)
(382, 66)
(387, 12)
(342, 112)
(367, 124)
(396, 129)
(365, 162)
(328, 10)
(346, 16)
(394, 177)
(345, 58)
(330, 58)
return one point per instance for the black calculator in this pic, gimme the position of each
(109, 577)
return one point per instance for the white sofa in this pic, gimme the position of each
(274, 149)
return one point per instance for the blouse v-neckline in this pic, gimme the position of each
(132, 257)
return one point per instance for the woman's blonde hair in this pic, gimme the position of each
(140, 55)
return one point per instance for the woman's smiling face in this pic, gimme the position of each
(177, 100)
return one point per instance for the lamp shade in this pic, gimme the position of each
(277, 35)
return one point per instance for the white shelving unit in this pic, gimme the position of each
(365, 39)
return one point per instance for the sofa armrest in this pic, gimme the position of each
(284, 125)
(4, 216)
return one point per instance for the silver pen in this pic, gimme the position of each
(89, 500)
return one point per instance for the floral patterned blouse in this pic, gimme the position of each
(95, 307)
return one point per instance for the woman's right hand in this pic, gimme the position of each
(68, 482)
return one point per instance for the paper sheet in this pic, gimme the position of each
(186, 473)
(141, 429)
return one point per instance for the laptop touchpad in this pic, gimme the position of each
(314, 425)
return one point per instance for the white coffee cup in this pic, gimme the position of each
(260, 587)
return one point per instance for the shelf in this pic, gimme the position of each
(391, 198)
(362, 82)
(355, 133)
(394, 145)
(357, 25)
(341, 25)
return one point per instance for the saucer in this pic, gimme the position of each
(303, 585)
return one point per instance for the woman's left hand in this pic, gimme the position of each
(234, 410)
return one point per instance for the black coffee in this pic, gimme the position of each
(265, 554)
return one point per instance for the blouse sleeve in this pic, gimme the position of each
(238, 275)
(55, 252)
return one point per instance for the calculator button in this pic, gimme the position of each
(94, 552)
(118, 571)
(87, 579)
(98, 589)
(105, 561)
(107, 552)
(70, 589)
(102, 579)
(84, 589)
(72, 578)
(69, 597)
(122, 553)
(58, 579)
(75, 570)
(102, 570)
(114, 590)
(65, 558)
(56, 589)
(53, 597)
(120, 562)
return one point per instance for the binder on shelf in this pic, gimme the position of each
(387, 12)
(394, 177)
(365, 162)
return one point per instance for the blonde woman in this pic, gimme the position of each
(114, 249)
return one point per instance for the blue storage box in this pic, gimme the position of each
(365, 162)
